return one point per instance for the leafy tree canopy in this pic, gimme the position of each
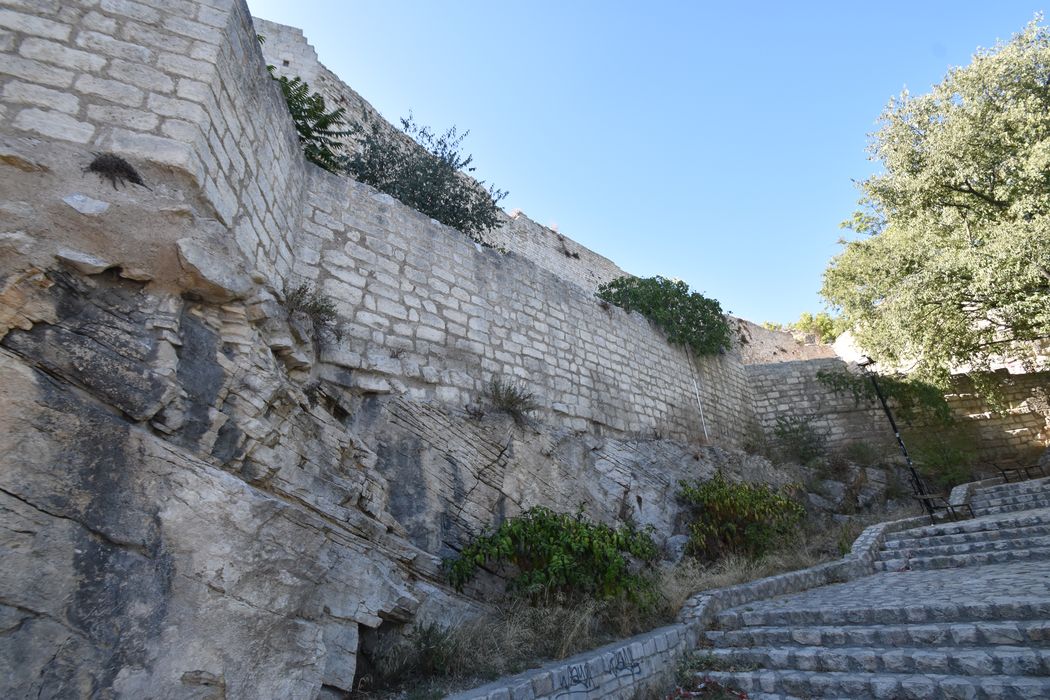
(954, 268)
(822, 324)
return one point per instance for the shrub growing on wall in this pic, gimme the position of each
(319, 130)
(737, 517)
(431, 179)
(561, 553)
(688, 318)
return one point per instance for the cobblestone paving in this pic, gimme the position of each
(943, 627)
(1025, 581)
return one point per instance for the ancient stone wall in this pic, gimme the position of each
(432, 314)
(760, 345)
(791, 390)
(1021, 431)
(180, 84)
(288, 51)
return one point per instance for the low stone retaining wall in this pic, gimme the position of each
(625, 669)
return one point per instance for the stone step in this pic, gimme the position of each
(952, 561)
(1013, 508)
(1013, 487)
(903, 614)
(1028, 633)
(972, 661)
(982, 503)
(898, 686)
(972, 526)
(998, 535)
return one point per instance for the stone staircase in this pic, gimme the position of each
(955, 610)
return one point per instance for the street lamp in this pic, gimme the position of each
(917, 484)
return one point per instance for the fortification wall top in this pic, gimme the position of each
(291, 55)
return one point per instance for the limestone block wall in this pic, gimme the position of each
(792, 390)
(555, 252)
(1022, 431)
(761, 346)
(291, 55)
(182, 84)
(176, 83)
(432, 314)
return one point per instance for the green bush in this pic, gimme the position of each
(742, 518)
(430, 178)
(319, 130)
(688, 318)
(318, 307)
(862, 453)
(798, 440)
(558, 553)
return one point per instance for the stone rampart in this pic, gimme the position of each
(431, 313)
(288, 51)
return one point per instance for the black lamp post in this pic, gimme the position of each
(917, 484)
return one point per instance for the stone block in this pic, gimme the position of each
(34, 26)
(140, 76)
(28, 93)
(126, 117)
(54, 125)
(134, 10)
(111, 90)
(59, 55)
(36, 72)
(114, 48)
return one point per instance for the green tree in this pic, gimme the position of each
(954, 264)
(319, 130)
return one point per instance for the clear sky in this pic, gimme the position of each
(714, 142)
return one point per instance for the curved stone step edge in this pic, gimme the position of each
(1039, 497)
(960, 661)
(1010, 486)
(971, 526)
(948, 561)
(1016, 508)
(968, 635)
(961, 538)
(703, 607)
(914, 614)
(883, 685)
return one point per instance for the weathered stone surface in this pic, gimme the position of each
(212, 274)
(86, 205)
(83, 262)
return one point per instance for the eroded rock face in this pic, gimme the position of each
(176, 513)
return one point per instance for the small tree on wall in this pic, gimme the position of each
(429, 175)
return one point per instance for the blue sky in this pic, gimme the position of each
(714, 142)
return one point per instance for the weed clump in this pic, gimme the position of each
(318, 307)
(510, 398)
(797, 439)
(109, 166)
